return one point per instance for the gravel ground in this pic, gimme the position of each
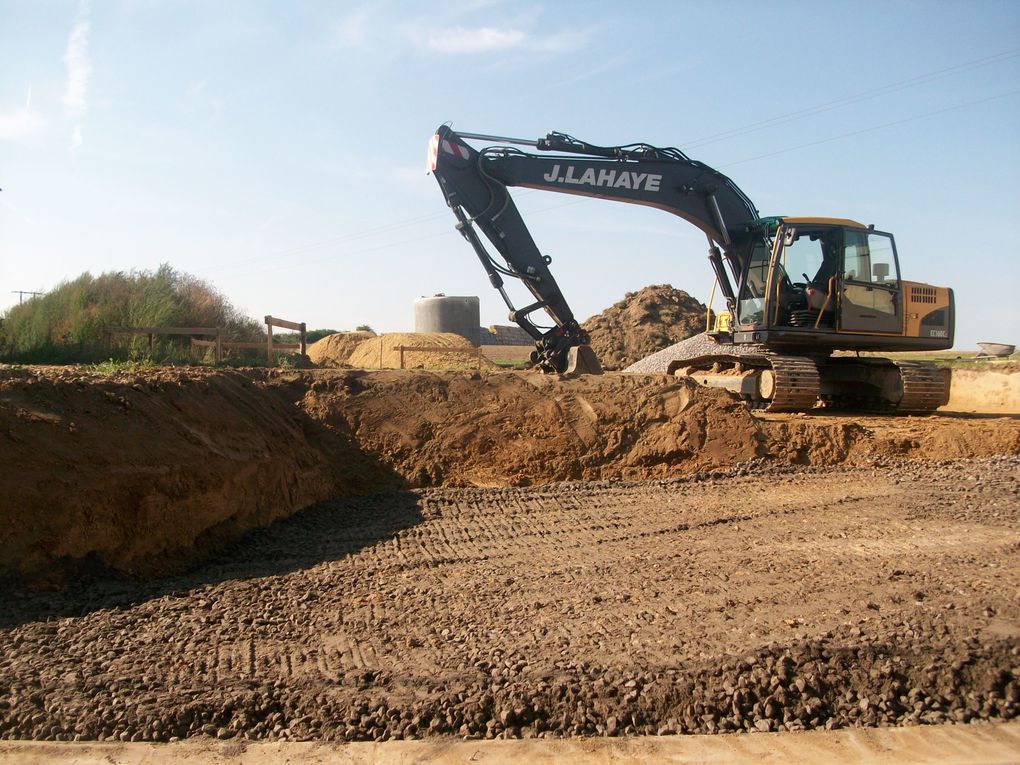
(753, 599)
(699, 345)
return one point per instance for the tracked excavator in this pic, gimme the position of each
(802, 294)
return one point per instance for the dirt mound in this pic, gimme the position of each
(643, 323)
(145, 472)
(381, 352)
(334, 350)
(521, 429)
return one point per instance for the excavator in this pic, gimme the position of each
(805, 296)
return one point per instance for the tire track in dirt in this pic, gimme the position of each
(574, 608)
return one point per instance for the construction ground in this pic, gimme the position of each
(341, 555)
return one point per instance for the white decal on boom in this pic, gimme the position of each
(611, 179)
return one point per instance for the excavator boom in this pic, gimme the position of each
(475, 184)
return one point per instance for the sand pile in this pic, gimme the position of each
(334, 350)
(381, 352)
(643, 323)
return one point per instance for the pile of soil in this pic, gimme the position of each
(382, 352)
(643, 323)
(441, 429)
(146, 472)
(334, 350)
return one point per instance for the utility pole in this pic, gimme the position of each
(21, 294)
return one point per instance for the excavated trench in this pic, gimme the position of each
(342, 555)
(146, 473)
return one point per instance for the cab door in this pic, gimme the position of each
(870, 294)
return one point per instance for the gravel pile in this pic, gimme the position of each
(699, 345)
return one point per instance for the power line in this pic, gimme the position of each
(778, 120)
(875, 127)
(332, 240)
(565, 204)
(21, 294)
(366, 250)
(810, 111)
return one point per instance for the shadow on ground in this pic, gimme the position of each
(326, 531)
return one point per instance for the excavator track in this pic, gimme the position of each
(925, 386)
(771, 383)
(796, 384)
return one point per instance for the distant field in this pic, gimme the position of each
(508, 355)
(964, 359)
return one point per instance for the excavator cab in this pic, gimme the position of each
(827, 283)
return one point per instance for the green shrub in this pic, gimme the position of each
(66, 324)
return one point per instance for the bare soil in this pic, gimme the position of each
(339, 555)
(144, 473)
(759, 598)
(958, 744)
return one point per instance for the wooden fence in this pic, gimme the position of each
(216, 333)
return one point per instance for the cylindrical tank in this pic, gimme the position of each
(448, 313)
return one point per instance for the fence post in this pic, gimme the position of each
(219, 346)
(303, 343)
(401, 357)
(269, 345)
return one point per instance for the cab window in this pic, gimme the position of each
(869, 258)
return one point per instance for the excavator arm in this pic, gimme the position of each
(475, 184)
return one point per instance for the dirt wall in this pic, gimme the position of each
(986, 390)
(143, 473)
(521, 429)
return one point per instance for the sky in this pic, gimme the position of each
(277, 150)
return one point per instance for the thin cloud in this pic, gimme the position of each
(470, 40)
(352, 32)
(20, 123)
(479, 40)
(79, 68)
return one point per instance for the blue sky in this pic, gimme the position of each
(277, 150)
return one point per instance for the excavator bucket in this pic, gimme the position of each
(581, 360)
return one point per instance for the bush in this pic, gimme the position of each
(67, 324)
(311, 336)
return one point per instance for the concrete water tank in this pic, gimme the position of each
(448, 313)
